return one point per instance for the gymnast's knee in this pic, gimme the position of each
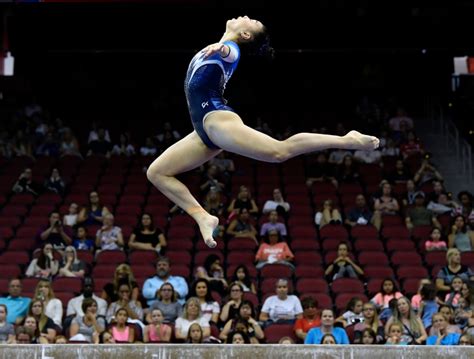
(153, 173)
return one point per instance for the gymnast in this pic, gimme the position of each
(217, 127)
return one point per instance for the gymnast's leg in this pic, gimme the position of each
(184, 155)
(227, 131)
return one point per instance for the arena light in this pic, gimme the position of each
(7, 64)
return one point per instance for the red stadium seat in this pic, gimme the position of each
(250, 268)
(376, 271)
(85, 256)
(347, 285)
(111, 257)
(405, 258)
(311, 285)
(373, 258)
(410, 286)
(180, 245)
(201, 256)
(374, 245)
(104, 271)
(22, 244)
(275, 332)
(467, 258)
(241, 257)
(267, 286)
(67, 284)
(333, 231)
(331, 244)
(142, 257)
(344, 298)
(310, 258)
(144, 270)
(10, 270)
(182, 258)
(411, 272)
(395, 232)
(180, 270)
(396, 245)
(276, 271)
(14, 257)
(304, 245)
(241, 243)
(22, 199)
(436, 258)
(324, 300)
(364, 232)
(308, 271)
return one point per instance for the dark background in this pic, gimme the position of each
(124, 64)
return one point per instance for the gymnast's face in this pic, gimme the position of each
(245, 27)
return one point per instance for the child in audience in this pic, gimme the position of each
(121, 332)
(452, 298)
(395, 335)
(156, 331)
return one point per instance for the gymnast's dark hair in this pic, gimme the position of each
(259, 46)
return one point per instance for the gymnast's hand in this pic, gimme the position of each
(219, 48)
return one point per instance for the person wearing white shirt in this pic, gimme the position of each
(281, 307)
(272, 205)
(74, 306)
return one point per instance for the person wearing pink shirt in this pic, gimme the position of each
(273, 251)
(435, 243)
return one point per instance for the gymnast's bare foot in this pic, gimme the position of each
(207, 225)
(358, 141)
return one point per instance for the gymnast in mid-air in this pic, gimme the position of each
(217, 127)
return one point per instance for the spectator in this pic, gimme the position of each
(103, 338)
(168, 128)
(321, 171)
(463, 313)
(448, 312)
(157, 331)
(442, 337)
(123, 274)
(56, 234)
(467, 207)
(419, 215)
(93, 213)
(244, 321)
(71, 266)
(24, 335)
(412, 146)
(401, 173)
(94, 133)
(122, 332)
(281, 308)
(437, 189)
(413, 331)
(395, 335)
(242, 276)
(347, 171)
(328, 215)
(60, 339)
(25, 183)
(82, 241)
(242, 226)
(435, 243)
(311, 318)
(55, 183)
(83, 327)
(109, 237)
(390, 149)
(353, 313)
(343, 266)
(388, 291)
(191, 314)
(362, 215)
(416, 299)
(368, 156)
(195, 334)
(273, 224)
(400, 117)
(124, 147)
(125, 301)
(21, 146)
(149, 148)
(461, 237)
(7, 330)
(146, 236)
(231, 308)
(443, 204)
(167, 303)
(45, 266)
(213, 203)
(315, 335)
(368, 337)
(238, 337)
(452, 269)
(213, 272)
(466, 339)
(225, 165)
(151, 287)
(46, 326)
(210, 309)
(75, 308)
(369, 322)
(408, 197)
(70, 219)
(452, 298)
(426, 173)
(276, 204)
(328, 339)
(274, 252)
(286, 341)
(31, 324)
(428, 305)
(16, 304)
(69, 145)
(337, 156)
(210, 180)
(386, 204)
(243, 201)
(100, 146)
(53, 307)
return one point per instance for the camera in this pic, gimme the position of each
(58, 223)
